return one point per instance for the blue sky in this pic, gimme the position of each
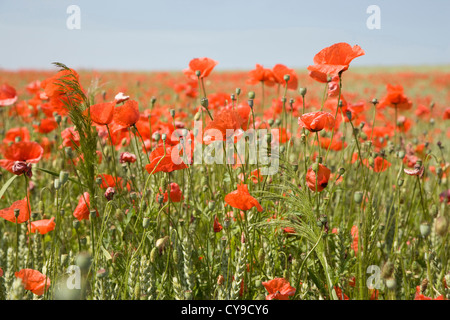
(166, 35)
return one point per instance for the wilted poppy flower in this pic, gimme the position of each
(444, 196)
(333, 60)
(279, 289)
(261, 74)
(24, 151)
(316, 121)
(241, 199)
(416, 171)
(120, 97)
(127, 115)
(323, 175)
(33, 281)
(8, 95)
(279, 71)
(203, 65)
(162, 161)
(127, 157)
(109, 193)
(101, 113)
(82, 211)
(24, 212)
(43, 226)
(217, 226)
(395, 98)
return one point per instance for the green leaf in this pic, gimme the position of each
(6, 185)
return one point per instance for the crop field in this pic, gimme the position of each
(324, 183)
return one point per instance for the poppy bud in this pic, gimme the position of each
(303, 137)
(211, 205)
(286, 77)
(57, 184)
(161, 243)
(198, 73)
(16, 213)
(164, 137)
(341, 171)
(153, 100)
(277, 122)
(391, 283)
(441, 226)
(400, 182)
(63, 177)
(172, 113)
(251, 95)
(238, 91)
(425, 229)
(102, 273)
(98, 181)
(283, 99)
(371, 161)
(358, 196)
(204, 103)
(233, 97)
(374, 101)
(348, 113)
(153, 255)
(270, 122)
(363, 136)
(250, 103)
(145, 223)
(58, 119)
(76, 224)
(302, 91)
(157, 136)
(269, 138)
(282, 149)
(109, 193)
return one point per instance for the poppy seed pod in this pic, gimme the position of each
(286, 77)
(302, 91)
(198, 73)
(164, 137)
(238, 91)
(157, 136)
(251, 95)
(425, 229)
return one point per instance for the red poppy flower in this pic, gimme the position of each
(175, 193)
(316, 121)
(204, 65)
(217, 226)
(127, 157)
(333, 60)
(82, 211)
(323, 175)
(279, 289)
(43, 226)
(71, 137)
(54, 86)
(279, 71)
(108, 181)
(261, 74)
(24, 151)
(46, 125)
(127, 115)
(420, 296)
(380, 164)
(24, 212)
(33, 281)
(160, 161)
(355, 235)
(226, 119)
(416, 171)
(102, 113)
(395, 98)
(22, 133)
(8, 95)
(241, 199)
(340, 294)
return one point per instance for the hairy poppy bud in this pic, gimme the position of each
(400, 182)
(58, 119)
(302, 91)
(425, 229)
(358, 196)
(441, 226)
(233, 97)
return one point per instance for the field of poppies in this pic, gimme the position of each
(327, 183)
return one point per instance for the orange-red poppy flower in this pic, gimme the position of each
(323, 175)
(279, 289)
(355, 235)
(217, 226)
(22, 133)
(261, 74)
(8, 95)
(380, 164)
(226, 119)
(175, 193)
(71, 137)
(241, 199)
(43, 226)
(82, 211)
(204, 65)
(395, 98)
(421, 296)
(22, 151)
(340, 294)
(102, 113)
(333, 60)
(162, 161)
(24, 211)
(127, 115)
(316, 121)
(279, 71)
(55, 87)
(34, 281)
(46, 125)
